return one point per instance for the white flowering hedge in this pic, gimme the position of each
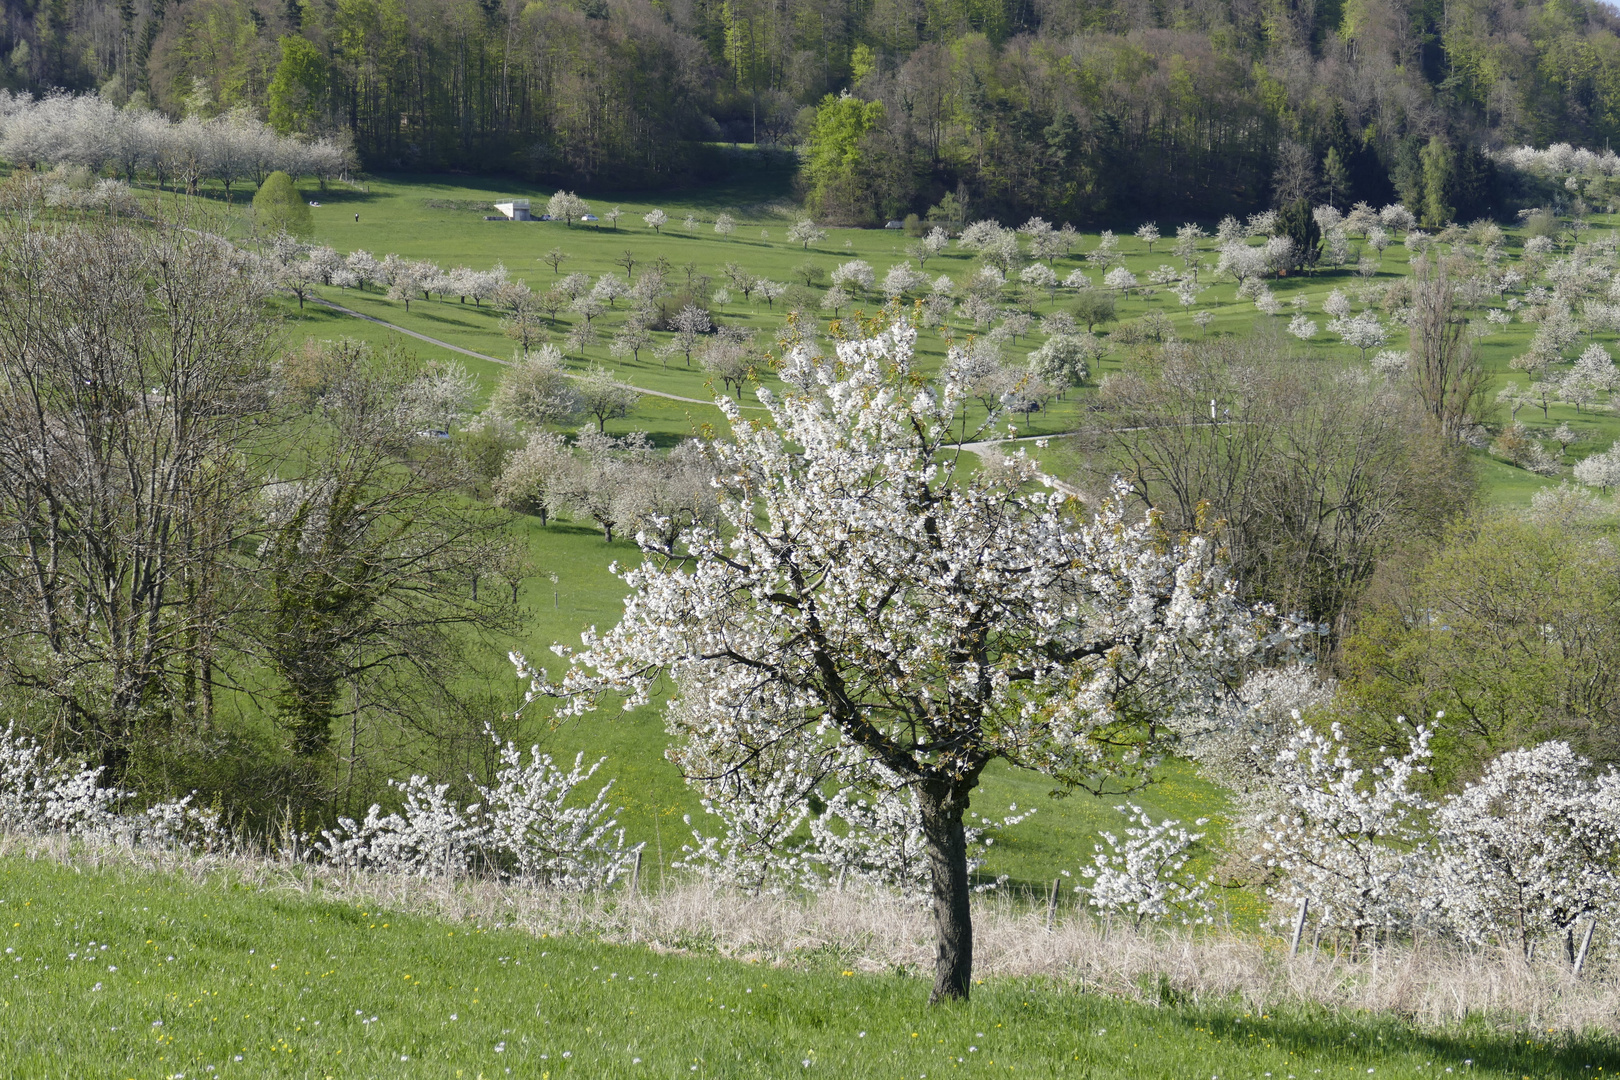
(40, 794)
(525, 826)
(1529, 852)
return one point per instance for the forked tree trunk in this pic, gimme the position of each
(943, 807)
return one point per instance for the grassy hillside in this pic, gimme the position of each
(118, 973)
(442, 219)
(436, 219)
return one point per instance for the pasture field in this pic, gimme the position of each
(441, 218)
(121, 973)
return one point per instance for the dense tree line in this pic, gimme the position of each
(1079, 111)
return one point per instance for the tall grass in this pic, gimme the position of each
(1433, 983)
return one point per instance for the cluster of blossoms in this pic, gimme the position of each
(1143, 876)
(1346, 838)
(1561, 160)
(522, 828)
(42, 794)
(88, 131)
(1528, 852)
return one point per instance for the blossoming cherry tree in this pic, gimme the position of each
(866, 600)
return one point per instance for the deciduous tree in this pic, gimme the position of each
(861, 600)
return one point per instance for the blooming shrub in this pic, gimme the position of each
(40, 794)
(1529, 849)
(1144, 875)
(522, 829)
(1355, 850)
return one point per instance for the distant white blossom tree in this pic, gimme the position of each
(806, 232)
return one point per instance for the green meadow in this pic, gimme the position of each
(117, 973)
(442, 219)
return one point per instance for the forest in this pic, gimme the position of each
(1089, 112)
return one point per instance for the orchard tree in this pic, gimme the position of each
(1529, 849)
(604, 398)
(568, 206)
(1094, 306)
(536, 389)
(554, 259)
(689, 324)
(806, 232)
(865, 604)
(522, 324)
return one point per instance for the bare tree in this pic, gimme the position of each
(1316, 472)
(1447, 376)
(367, 574)
(1295, 175)
(132, 366)
(522, 324)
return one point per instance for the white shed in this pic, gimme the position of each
(517, 209)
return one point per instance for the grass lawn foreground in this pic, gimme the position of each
(122, 973)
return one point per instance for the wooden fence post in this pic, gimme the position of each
(1586, 943)
(1299, 925)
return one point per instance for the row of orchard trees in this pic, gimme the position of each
(89, 132)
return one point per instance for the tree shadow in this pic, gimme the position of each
(1473, 1046)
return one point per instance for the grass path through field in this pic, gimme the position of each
(485, 356)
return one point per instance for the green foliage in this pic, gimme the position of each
(1078, 112)
(1439, 178)
(1511, 630)
(279, 208)
(297, 93)
(1299, 225)
(836, 161)
(1094, 307)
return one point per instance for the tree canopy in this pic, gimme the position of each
(864, 608)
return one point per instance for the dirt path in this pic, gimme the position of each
(1046, 478)
(485, 356)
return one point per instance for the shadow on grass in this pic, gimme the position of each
(241, 195)
(1473, 1046)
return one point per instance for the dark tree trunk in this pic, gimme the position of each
(943, 806)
